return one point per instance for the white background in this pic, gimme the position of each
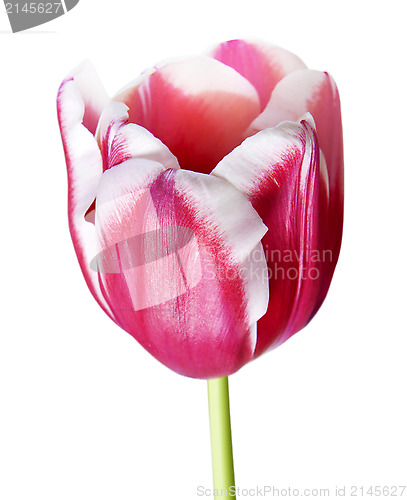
(86, 413)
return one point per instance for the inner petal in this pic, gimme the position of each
(262, 64)
(199, 108)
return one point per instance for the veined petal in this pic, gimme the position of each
(199, 108)
(315, 92)
(120, 140)
(182, 265)
(80, 101)
(278, 170)
(262, 64)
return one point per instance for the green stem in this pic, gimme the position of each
(221, 437)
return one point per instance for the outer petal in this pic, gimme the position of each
(278, 170)
(315, 92)
(181, 265)
(198, 107)
(80, 101)
(262, 64)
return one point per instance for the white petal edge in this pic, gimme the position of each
(84, 164)
(249, 164)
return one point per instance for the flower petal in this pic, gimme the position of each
(80, 101)
(198, 107)
(278, 170)
(182, 265)
(315, 92)
(120, 140)
(92, 93)
(262, 64)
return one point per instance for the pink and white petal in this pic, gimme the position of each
(84, 163)
(123, 213)
(198, 107)
(263, 65)
(125, 92)
(278, 170)
(263, 160)
(240, 227)
(92, 93)
(120, 140)
(315, 92)
(176, 268)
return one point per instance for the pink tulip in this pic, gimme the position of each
(206, 201)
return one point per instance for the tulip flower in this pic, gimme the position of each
(206, 201)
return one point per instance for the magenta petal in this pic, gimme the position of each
(278, 170)
(175, 268)
(262, 64)
(80, 101)
(315, 92)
